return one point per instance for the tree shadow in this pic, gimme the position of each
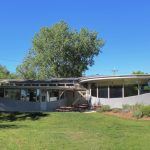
(8, 126)
(16, 116)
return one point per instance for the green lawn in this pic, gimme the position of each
(72, 131)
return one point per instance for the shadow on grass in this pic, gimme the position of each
(8, 126)
(21, 116)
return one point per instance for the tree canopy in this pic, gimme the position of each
(59, 51)
(138, 72)
(5, 74)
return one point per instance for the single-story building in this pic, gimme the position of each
(47, 95)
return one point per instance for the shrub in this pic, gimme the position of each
(132, 108)
(116, 110)
(137, 114)
(126, 107)
(136, 107)
(146, 110)
(104, 108)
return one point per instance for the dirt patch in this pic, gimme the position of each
(125, 115)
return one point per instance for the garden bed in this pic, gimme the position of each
(125, 115)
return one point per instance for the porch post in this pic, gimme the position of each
(123, 90)
(90, 89)
(138, 88)
(108, 92)
(47, 95)
(97, 90)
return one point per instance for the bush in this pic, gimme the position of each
(116, 110)
(137, 114)
(132, 108)
(146, 110)
(136, 107)
(126, 107)
(104, 108)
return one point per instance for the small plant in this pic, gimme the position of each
(136, 107)
(126, 107)
(146, 110)
(104, 108)
(137, 114)
(116, 110)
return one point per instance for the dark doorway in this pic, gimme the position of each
(32, 95)
(1, 92)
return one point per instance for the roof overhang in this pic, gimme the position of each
(114, 78)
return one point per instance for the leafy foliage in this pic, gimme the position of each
(137, 114)
(138, 72)
(146, 110)
(5, 74)
(104, 108)
(59, 51)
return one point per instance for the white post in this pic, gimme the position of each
(47, 95)
(138, 88)
(123, 90)
(97, 90)
(108, 92)
(90, 89)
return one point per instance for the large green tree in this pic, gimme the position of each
(5, 73)
(60, 51)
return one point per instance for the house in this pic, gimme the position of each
(47, 95)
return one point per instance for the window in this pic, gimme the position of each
(1, 92)
(94, 90)
(103, 91)
(130, 90)
(144, 89)
(13, 94)
(115, 91)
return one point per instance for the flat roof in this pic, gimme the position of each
(116, 77)
(80, 79)
(37, 81)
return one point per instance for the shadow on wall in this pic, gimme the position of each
(16, 116)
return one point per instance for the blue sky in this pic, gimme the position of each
(123, 24)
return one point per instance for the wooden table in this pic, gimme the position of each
(81, 108)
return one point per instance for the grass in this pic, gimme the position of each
(72, 131)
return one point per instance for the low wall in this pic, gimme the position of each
(25, 106)
(118, 102)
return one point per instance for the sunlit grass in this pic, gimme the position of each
(73, 131)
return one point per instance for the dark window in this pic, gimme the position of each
(69, 84)
(130, 90)
(115, 91)
(94, 90)
(1, 92)
(43, 84)
(52, 84)
(103, 92)
(13, 94)
(144, 89)
(61, 84)
(18, 84)
(27, 84)
(35, 84)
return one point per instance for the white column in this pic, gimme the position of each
(138, 88)
(108, 92)
(123, 90)
(47, 95)
(89, 89)
(97, 90)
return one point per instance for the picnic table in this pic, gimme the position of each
(82, 107)
(65, 108)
